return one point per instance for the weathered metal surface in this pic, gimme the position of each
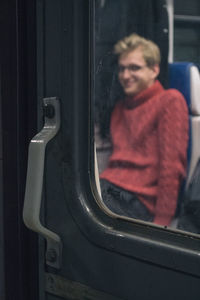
(72, 290)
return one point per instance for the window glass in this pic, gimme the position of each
(147, 118)
(185, 7)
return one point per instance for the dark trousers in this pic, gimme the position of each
(189, 219)
(123, 203)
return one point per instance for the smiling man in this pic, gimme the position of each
(134, 73)
(149, 134)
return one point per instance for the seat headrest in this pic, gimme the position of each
(185, 77)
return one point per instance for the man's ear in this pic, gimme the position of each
(156, 70)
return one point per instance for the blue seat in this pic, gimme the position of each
(185, 77)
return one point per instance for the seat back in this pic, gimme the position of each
(185, 77)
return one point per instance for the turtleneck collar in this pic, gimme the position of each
(154, 89)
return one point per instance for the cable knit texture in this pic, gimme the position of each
(150, 136)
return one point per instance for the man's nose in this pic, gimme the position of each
(126, 73)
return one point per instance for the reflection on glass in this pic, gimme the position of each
(142, 134)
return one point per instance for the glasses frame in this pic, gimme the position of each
(132, 68)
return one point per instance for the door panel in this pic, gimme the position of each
(18, 254)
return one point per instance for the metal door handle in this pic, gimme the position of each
(34, 181)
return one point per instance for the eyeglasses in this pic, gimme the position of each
(130, 68)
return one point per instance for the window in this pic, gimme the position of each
(141, 156)
(186, 31)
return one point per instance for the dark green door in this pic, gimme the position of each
(94, 255)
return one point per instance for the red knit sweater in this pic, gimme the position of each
(149, 134)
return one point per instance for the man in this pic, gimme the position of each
(149, 134)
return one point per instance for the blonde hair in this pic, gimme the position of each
(151, 51)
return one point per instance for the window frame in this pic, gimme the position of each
(151, 243)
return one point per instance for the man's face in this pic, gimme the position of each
(134, 75)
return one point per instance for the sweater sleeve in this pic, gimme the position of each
(172, 143)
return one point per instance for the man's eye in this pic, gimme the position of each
(134, 68)
(130, 68)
